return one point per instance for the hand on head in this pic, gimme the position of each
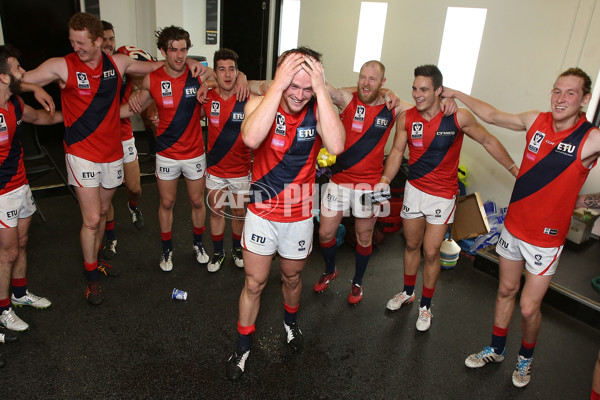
(315, 69)
(288, 68)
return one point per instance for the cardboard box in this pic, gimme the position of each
(470, 219)
(582, 222)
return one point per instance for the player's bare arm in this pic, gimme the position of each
(477, 132)
(490, 114)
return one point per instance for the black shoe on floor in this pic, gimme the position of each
(8, 336)
(294, 336)
(236, 364)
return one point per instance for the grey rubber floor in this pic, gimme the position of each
(141, 344)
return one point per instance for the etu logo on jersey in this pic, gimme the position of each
(237, 116)
(88, 175)
(382, 122)
(566, 149)
(190, 91)
(82, 80)
(306, 134)
(110, 74)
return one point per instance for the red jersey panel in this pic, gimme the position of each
(284, 167)
(90, 106)
(367, 131)
(12, 170)
(434, 150)
(126, 129)
(179, 134)
(227, 155)
(550, 178)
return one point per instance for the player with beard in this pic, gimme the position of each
(16, 201)
(434, 144)
(357, 170)
(90, 82)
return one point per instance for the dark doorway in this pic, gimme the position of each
(245, 29)
(38, 28)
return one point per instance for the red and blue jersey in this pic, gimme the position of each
(367, 131)
(12, 170)
(227, 155)
(179, 134)
(126, 129)
(434, 151)
(90, 106)
(550, 178)
(284, 167)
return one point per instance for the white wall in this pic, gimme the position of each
(136, 20)
(525, 45)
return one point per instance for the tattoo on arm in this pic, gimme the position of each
(592, 201)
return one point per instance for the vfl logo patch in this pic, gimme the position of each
(359, 115)
(110, 74)
(306, 134)
(417, 130)
(550, 231)
(538, 259)
(301, 245)
(119, 173)
(130, 149)
(280, 124)
(536, 142)
(3, 127)
(260, 240)
(198, 167)
(82, 80)
(359, 118)
(438, 213)
(215, 109)
(165, 88)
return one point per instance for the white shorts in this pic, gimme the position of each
(538, 260)
(84, 173)
(168, 169)
(129, 151)
(341, 198)
(436, 210)
(240, 185)
(16, 204)
(291, 240)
